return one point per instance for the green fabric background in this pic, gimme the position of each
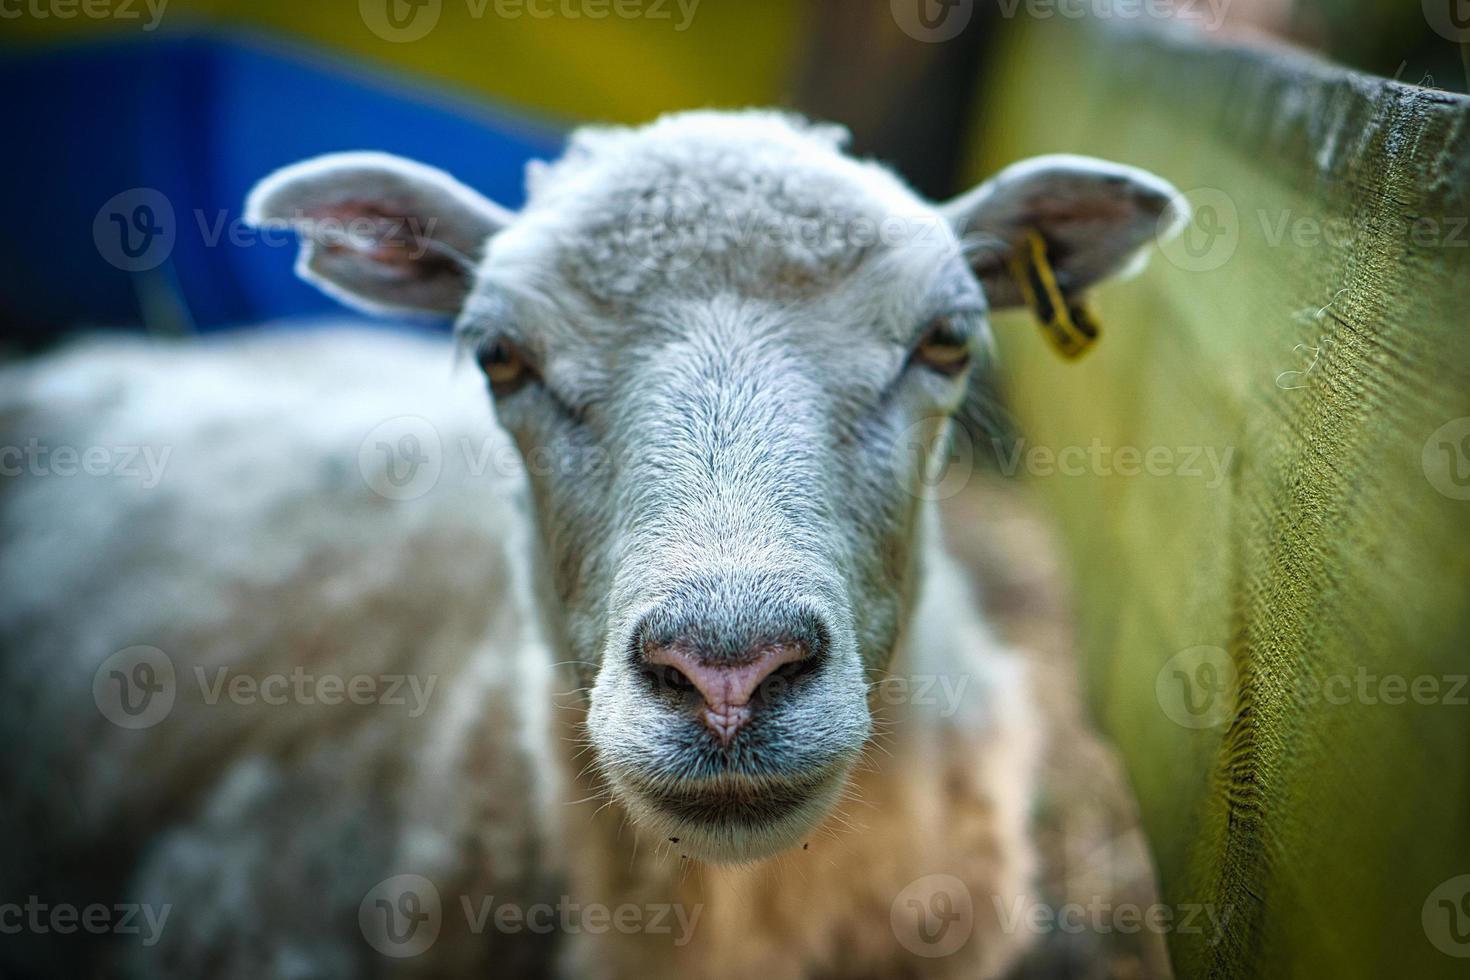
(1327, 561)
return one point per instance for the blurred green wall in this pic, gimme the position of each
(1278, 643)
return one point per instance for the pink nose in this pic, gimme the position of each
(726, 687)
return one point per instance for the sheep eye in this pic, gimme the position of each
(944, 348)
(504, 365)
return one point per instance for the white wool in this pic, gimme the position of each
(716, 318)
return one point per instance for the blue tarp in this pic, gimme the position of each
(127, 166)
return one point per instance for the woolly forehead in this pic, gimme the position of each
(810, 243)
(870, 309)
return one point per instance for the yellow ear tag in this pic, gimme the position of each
(1069, 326)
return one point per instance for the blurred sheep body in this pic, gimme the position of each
(261, 827)
(264, 549)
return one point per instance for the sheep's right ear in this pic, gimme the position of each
(1094, 217)
(379, 232)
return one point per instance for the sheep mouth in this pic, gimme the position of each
(734, 822)
(735, 804)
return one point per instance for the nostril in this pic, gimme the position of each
(674, 678)
(668, 678)
(725, 685)
(784, 677)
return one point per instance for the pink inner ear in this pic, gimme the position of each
(364, 229)
(1064, 209)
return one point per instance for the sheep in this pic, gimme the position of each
(650, 609)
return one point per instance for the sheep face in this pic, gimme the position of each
(730, 356)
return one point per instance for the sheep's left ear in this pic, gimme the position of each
(1093, 216)
(379, 232)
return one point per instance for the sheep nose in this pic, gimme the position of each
(726, 685)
